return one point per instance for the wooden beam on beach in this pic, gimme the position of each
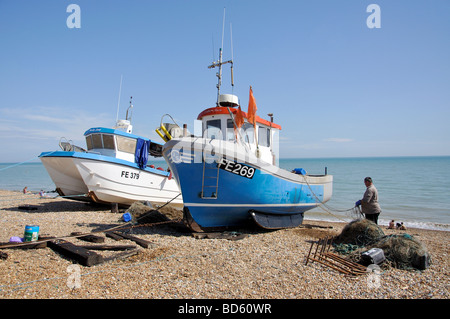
(113, 236)
(91, 238)
(82, 255)
(108, 247)
(141, 242)
(25, 245)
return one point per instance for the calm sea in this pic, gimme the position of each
(413, 190)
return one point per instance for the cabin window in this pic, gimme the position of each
(108, 141)
(230, 130)
(126, 144)
(100, 141)
(263, 136)
(97, 141)
(249, 133)
(213, 129)
(89, 142)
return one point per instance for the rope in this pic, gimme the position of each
(326, 207)
(17, 164)
(16, 198)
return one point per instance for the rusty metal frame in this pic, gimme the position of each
(323, 256)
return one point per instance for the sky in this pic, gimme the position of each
(337, 85)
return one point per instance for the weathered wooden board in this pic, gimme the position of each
(82, 255)
(90, 238)
(141, 242)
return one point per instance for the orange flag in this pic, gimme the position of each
(239, 121)
(251, 114)
(239, 118)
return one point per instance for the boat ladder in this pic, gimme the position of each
(210, 180)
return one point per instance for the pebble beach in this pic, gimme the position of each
(259, 265)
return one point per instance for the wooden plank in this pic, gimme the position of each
(113, 236)
(82, 255)
(25, 245)
(141, 242)
(108, 247)
(91, 238)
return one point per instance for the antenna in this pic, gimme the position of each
(118, 101)
(219, 63)
(223, 25)
(231, 40)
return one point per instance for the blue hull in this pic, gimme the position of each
(217, 195)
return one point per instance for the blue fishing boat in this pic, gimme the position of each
(114, 167)
(229, 176)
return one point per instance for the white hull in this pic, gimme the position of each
(116, 183)
(65, 176)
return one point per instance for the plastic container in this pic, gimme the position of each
(373, 256)
(31, 233)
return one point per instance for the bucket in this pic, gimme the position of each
(31, 233)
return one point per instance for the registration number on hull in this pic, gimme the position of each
(236, 168)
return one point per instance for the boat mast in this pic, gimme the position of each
(129, 108)
(219, 64)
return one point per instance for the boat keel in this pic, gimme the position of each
(276, 221)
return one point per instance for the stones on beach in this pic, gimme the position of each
(267, 265)
(220, 235)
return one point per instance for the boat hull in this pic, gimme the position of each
(224, 187)
(125, 184)
(65, 175)
(111, 180)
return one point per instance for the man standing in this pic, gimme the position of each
(369, 203)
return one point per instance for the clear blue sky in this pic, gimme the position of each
(337, 87)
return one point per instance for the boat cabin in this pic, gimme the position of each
(217, 123)
(119, 144)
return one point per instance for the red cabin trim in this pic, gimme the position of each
(219, 110)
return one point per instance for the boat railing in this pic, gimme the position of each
(68, 146)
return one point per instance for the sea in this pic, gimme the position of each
(412, 190)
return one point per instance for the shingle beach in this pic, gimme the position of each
(263, 264)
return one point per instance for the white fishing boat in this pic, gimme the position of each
(113, 168)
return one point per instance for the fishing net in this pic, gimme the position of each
(361, 232)
(404, 251)
(401, 251)
(143, 214)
